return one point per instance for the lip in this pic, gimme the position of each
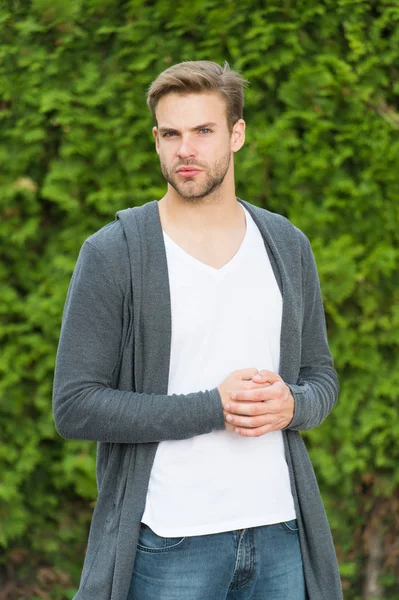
(188, 172)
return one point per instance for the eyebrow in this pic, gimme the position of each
(196, 128)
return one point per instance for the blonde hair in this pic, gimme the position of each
(201, 76)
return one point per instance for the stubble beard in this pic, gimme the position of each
(191, 189)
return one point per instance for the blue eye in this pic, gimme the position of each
(205, 130)
(169, 134)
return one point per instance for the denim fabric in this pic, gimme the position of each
(258, 563)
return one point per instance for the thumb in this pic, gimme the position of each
(265, 376)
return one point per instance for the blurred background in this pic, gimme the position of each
(322, 113)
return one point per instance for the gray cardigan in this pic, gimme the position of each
(111, 383)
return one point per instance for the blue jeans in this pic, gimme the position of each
(258, 563)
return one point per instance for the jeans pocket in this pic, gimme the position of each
(291, 526)
(149, 541)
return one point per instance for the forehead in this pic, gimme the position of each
(182, 111)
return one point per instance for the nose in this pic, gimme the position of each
(186, 148)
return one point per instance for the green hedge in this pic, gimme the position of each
(322, 147)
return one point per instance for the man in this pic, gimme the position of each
(193, 349)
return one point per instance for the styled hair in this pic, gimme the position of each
(201, 76)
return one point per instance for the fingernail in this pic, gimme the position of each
(227, 406)
(234, 395)
(229, 418)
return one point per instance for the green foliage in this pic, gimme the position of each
(322, 148)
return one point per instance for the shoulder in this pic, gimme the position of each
(105, 253)
(115, 236)
(278, 227)
(109, 239)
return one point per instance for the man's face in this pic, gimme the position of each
(193, 142)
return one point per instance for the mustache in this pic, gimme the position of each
(190, 163)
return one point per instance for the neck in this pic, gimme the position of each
(217, 211)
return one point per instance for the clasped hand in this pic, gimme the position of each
(255, 403)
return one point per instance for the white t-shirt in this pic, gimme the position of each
(222, 320)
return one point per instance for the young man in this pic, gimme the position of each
(194, 349)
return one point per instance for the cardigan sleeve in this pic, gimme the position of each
(86, 405)
(316, 390)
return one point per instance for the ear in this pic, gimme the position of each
(238, 135)
(155, 134)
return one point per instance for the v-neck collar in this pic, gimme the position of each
(204, 266)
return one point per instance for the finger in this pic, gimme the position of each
(248, 422)
(257, 432)
(251, 385)
(260, 394)
(248, 409)
(265, 375)
(229, 427)
(246, 374)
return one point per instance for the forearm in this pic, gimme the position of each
(315, 395)
(94, 412)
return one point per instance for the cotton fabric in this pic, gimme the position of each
(220, 481)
